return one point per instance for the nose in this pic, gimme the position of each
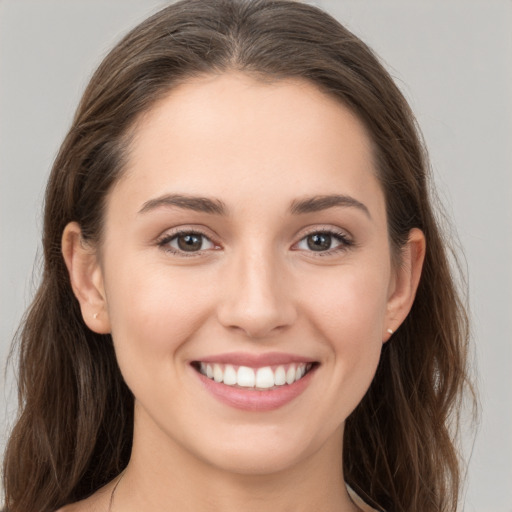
(258, 299)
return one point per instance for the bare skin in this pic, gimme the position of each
(258, 272)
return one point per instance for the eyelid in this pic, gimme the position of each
(345, 238)
(326, 228)
(163, 240)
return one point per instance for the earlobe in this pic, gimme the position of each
(86, 278)
(405, 283)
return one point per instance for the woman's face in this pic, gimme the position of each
(246, 244)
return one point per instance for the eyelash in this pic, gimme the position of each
(344, 240)
(164, 242)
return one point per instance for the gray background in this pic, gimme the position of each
(451, 59)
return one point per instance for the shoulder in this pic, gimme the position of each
(68, 508)
(79, 506)
(97, 502)
(359, 502)
(82, 506)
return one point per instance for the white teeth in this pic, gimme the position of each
(245, 377)
(265, 378)
(280, 376)
(218, 374)
(230, 376)
(290, 375)
(261, 378)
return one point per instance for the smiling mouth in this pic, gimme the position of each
(262, 378)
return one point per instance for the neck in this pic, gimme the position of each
(162, 473)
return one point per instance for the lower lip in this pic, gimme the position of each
(251, 399)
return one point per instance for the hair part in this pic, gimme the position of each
(75, 426)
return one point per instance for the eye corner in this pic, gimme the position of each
(193, 245)
(326, 236)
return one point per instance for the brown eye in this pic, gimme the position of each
(186, 242)
(319, 241)
(324, 242)
(190, 242)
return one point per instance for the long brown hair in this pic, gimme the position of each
(74, 430)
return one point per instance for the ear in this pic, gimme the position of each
(405, 282)
(86, 278)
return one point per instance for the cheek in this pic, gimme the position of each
(153, 311)
(349, 304)
(349, 313)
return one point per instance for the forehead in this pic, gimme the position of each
(234, 137)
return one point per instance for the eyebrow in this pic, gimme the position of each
(318, 203)
(216, 206)
(197, 204)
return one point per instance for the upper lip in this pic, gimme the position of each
(255, 360)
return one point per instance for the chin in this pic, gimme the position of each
(256, 461)
(265, 451)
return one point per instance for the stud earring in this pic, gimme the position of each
(95, 316)
(390, 331)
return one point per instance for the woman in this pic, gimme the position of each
(246, 299)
